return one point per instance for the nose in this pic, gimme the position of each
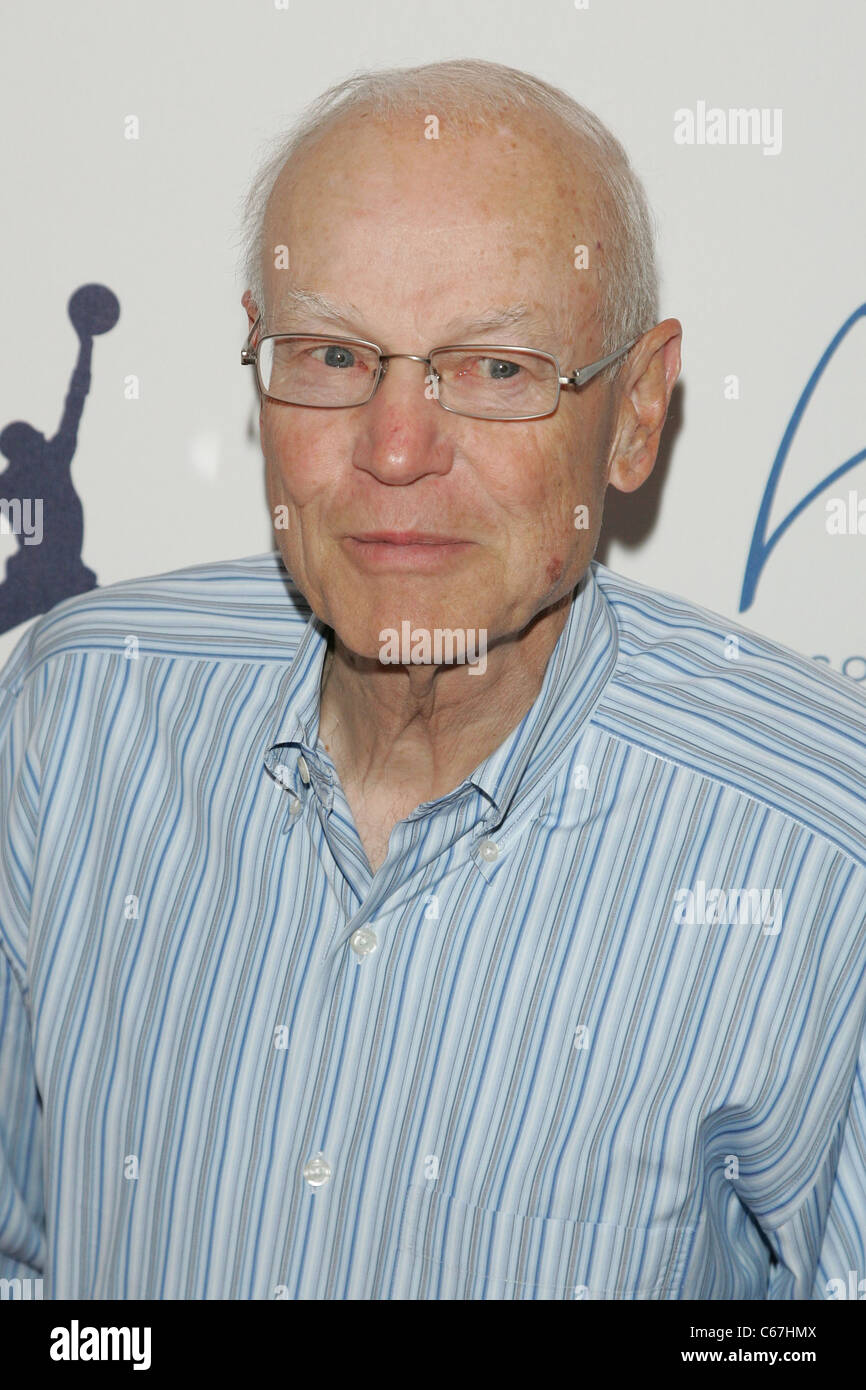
(401, 435)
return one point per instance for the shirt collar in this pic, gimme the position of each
(578, 669)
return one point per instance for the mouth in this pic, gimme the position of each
(415, 551)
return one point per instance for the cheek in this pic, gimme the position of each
(553, 571)
(297, 466)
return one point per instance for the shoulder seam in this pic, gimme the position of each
(732, 786)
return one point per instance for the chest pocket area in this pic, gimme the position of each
(449, 1249)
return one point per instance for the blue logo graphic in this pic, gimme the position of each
(762, 544)
(37, 494)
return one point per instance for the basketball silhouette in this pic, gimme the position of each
(93, 309)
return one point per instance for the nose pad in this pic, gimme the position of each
(380, 377)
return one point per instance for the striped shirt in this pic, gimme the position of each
(592, 1030)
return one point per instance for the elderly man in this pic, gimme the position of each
(424, 911)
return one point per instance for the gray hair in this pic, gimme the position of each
(475, 93)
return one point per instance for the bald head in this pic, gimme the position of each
(469, 96)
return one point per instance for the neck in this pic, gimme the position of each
(418, 731)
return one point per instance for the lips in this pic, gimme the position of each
(405, 552)
(406, 538)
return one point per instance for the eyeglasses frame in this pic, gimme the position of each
(579, 377)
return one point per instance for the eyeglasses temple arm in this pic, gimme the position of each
(584, 374)
(248, 353)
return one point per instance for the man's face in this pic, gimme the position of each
(418, 238)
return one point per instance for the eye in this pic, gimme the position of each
(336, 355)
(500, 369)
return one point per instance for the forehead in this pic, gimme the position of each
(377, 209)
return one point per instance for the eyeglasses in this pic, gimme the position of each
(482, 380)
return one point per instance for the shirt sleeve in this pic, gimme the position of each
(22, 1225)
(841, 1271)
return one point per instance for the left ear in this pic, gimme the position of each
(644, 397)
(251, 307)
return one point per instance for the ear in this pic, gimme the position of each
(644, 397)
(252, 314)
(250, 305)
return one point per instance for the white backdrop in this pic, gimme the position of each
(762, 258)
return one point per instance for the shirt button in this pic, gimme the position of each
(317, 1170)
(363, 941)
(489, 849)
(304, 770)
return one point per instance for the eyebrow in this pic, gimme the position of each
(294, 299)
